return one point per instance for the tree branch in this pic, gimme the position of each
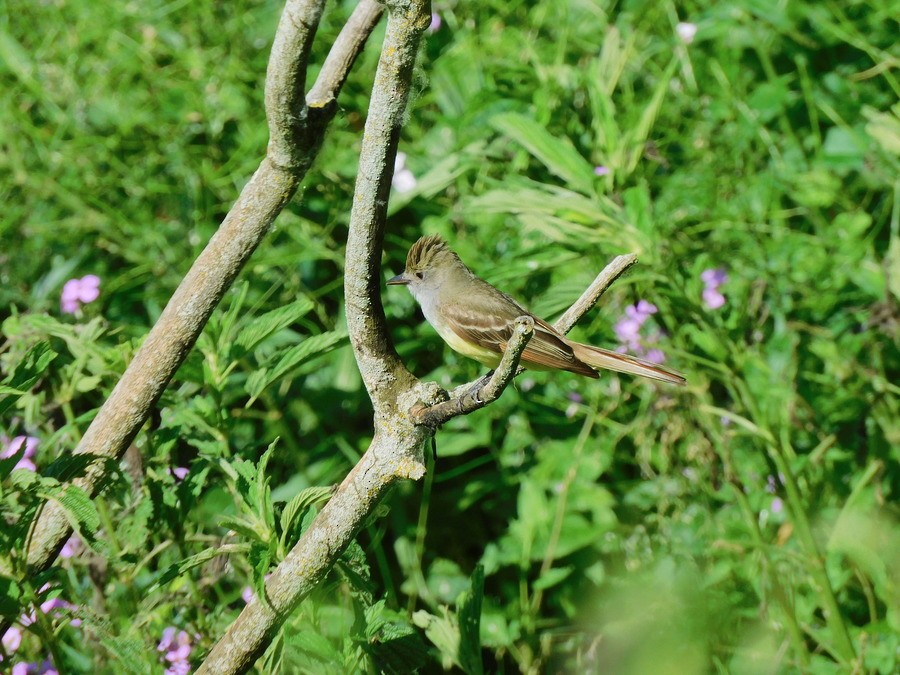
(396, 449)
(483, 391)
(616, 268)
(444, 411)
(176, 331)
(383, 373)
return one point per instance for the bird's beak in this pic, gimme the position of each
(399, 280)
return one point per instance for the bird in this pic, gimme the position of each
(477, 320)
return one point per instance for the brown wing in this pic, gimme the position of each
(488, 323)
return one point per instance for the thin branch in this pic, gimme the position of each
(187, 312)
(343, 53)
(616, 268)
(286, 110)
(486, 390)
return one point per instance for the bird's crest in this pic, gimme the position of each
(424, 252)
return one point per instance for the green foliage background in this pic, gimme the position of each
(746, 523)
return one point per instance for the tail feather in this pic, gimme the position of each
(596, 357)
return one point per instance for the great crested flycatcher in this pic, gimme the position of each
(476, 319)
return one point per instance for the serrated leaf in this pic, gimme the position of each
(129, 653)
(314, 645)
(80, 511)
(557, 154)
(292, 359)
(270, 323)
(297, 506)
(265, 508)
(68, 466)
(179, 568)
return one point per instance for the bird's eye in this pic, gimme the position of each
(420, 275)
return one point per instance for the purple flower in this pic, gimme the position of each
(77, 292)
(642, 310)
(435, 23)
(712, 298)
(601, 170)
(712, 279)
(686, 31)
(655, 356)
(179, 473)
(628, 330)
(71, 548)
(45, 668)
(177, 648)
(12, 638)
(247, 595)
(777, 505)
(15, 445)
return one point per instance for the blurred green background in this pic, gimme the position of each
(745, 523)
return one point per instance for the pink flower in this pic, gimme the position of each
(655, 356)
(179, 473)
(628, 330)
(712, 298)
(247, 595)
(15, 445)
(686, 32)
(12, 638)
(71, 548)
(45, 668)
(601, 170)
(76, 292)
(712, 279)
(178, 651)
(435, 23)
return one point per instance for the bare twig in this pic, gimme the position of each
(616, 268)
(485, 390)
(261, 200)
(343, 53)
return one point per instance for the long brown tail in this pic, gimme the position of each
(597, 357)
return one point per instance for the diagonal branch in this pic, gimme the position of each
(187, 312)
(461, 399)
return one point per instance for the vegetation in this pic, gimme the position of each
(747, 152)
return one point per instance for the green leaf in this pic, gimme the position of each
(292, 359)
(392, 642)
(552, 577)
(26, 372)
(270, 323)
(80, 511)
(189, 563)
(10, 593)
(442, 630)
(469, 611)
(296, 507)
(557, 154)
